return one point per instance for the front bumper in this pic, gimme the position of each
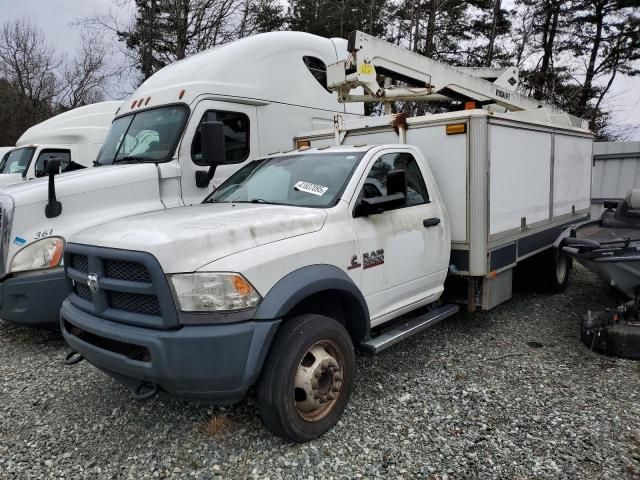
(34, 300)
(217, 363)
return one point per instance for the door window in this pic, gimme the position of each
(375, 184)
(236, 136)
(66, 165)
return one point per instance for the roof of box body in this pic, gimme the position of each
(263, 68)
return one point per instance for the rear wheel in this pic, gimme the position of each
(307, 378)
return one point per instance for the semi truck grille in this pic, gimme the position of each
(121, 286)
(7, 208)
(131, 302)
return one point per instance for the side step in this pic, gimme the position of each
(408, 328)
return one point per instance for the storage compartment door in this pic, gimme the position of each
(520, 177)
(571, 174)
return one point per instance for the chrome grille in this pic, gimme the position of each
(7, 208)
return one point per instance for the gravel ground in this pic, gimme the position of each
(467, 399)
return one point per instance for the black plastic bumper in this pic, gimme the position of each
(34, 300)
(217, 363)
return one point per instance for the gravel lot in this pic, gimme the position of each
(467, 399)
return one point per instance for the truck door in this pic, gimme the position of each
(402, 249)
(241, 143)
(63, 154)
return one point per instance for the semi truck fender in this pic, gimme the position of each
(310, 280)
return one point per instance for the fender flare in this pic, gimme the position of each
(306, 281)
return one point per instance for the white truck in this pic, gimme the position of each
(4, 152)
(264, 89)
(300, 256)
(73, 137)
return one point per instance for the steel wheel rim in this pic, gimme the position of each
(319, 381)
(561, 267)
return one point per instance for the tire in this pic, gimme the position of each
(308, 349)
(619, 340)
(557, 266)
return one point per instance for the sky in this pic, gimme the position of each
(55, 17)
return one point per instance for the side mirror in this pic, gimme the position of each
(53, 207)
(212, 143)
(372, 206)
(396, 196)
(52, 166)
(213, 151)
(397, 182)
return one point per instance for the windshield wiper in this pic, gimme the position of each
(260, 201)
(132, 159)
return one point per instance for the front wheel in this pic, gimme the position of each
(557, 265)
(307, 378)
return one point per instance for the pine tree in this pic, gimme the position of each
(338, 18)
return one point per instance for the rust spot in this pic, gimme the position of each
(147, 101)
(134, 104)
(399, 120)
(140, 101)
(181, 94)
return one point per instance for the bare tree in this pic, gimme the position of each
(85, 76)
(28, 62)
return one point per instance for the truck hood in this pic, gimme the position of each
(10, 179)
(187, 238)
(80, 181)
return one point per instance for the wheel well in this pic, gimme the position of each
(336, 304)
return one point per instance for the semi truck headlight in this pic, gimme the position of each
(213, 292)
(46, 253)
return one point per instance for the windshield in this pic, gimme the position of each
(149, 136)
(18, 160)
(311, 180)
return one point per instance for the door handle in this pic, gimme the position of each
(431, 222)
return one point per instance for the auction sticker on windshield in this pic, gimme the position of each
(311, 188)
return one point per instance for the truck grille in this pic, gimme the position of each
(131, 272)
(131, 302)
(82, 291)
(119, 285)
(80, 263)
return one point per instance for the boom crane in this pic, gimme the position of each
(374, 62)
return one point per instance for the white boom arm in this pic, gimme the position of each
(371, 57)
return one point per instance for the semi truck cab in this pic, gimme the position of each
(262, 89)
(73, 137)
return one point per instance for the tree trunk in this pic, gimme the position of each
(585, 93)
(431, 27)
(494, 29)
(549, 30)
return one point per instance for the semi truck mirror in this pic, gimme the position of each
(53, 207)
(213, 151)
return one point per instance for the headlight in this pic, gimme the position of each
(46, 253)
(213, 292)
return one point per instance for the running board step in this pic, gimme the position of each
(408, 328)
